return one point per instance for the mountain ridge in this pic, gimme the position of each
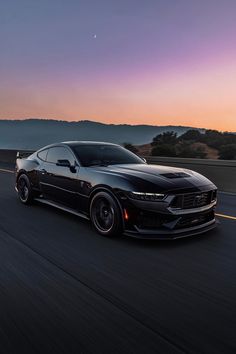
(34, 133)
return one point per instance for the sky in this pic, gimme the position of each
(161, 62)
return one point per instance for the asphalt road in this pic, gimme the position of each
(65, 289)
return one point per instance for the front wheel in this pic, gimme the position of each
(25, 192)
(105, 214)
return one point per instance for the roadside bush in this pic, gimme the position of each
(164, 150)
(185, 149)
(227, 152)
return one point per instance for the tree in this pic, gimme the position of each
(200, 152)
(164, 144)
(165, 138)
(186, 149)
(130, 147)
(212, 138)
(164, 150)
(227, 152)
(191, 135)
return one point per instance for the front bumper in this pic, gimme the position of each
(154, 234)
(166, 225)
(176, 216)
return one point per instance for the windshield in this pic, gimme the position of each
(104, 155)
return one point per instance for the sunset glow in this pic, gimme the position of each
(155, 62)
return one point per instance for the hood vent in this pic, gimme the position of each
(175, 175)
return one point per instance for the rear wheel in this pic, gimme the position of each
(105, 214)
(25, 192)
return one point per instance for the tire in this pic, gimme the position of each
(105, 215)
(25, 192)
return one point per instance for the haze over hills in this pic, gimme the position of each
(35, 133)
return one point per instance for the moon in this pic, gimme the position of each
(94, 36)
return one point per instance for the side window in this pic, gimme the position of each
(60, 153)
(42, 155)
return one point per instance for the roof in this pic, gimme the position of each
(88, 142)
(74, 143)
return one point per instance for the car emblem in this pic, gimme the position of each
(194, 221)
(198, 200)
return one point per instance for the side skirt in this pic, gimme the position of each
(61, 207)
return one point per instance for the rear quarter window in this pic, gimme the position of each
(60, 153)
(42, 155)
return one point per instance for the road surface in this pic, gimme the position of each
(65, 289)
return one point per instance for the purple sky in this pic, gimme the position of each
(157, 62)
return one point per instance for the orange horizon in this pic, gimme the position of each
(201, 98)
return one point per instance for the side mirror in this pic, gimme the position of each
(143, 158)
(63, 163)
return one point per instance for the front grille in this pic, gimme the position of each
(151, 221)
(196, 200)
(193, 200)
(194, 220)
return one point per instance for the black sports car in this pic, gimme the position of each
(117, 190)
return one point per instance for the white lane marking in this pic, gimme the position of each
(5, 170)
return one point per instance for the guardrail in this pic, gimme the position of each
(9, 156)
(220, 172)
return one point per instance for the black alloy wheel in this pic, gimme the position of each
(24, 189)
(105, 214)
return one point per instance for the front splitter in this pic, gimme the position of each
(172, 235)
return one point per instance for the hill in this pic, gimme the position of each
(211, 144)
(35, 133)
(211, 153)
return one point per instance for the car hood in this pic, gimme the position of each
(157, 178)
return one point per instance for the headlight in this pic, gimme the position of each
(152, 197)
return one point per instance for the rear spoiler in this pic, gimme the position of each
(23, 154)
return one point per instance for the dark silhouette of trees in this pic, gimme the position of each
(191, 135)
(215, 139)
(163, 150)
(168, 144)
(186, 149)
(165, 138)
(227, 152)
(192, 144)
(130, 147)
